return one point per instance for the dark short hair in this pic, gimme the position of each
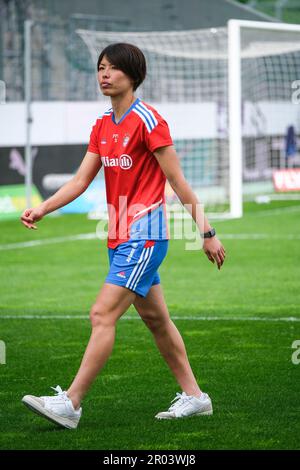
(127, 58)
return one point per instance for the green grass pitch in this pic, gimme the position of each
(235, 323)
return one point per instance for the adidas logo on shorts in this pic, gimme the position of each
(122, 274)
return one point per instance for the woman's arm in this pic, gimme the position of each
(87, 171)
(170, 165)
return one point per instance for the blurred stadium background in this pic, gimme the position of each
(51, 276)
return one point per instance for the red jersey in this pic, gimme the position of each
(135, 183)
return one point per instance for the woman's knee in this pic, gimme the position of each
(155, 322)
(99, 315)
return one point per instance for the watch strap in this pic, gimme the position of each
(211, 233)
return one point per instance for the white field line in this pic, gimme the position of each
(93, 236)
(189, 318)
(48, 241)
(258, 236)
(262, 213)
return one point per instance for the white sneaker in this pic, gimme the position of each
(58, 408)
(187, 405)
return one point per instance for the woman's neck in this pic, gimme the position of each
(121, 104)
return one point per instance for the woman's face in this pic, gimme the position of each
(113, 81)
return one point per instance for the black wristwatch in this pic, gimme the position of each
(211, 233)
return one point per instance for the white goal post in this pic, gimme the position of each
(227, 96)
(235, 97)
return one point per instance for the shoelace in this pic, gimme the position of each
(58, 390)
(179, 399)
(60, 395)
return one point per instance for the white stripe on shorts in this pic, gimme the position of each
(136, 267)
(145, 265)
(140, 267)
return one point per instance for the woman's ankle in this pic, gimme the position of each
(75, 400)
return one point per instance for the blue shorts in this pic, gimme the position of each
(134, 264)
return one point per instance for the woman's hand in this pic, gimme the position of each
(32, 215)
(214, 250)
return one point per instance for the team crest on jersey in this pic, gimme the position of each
(126, 139)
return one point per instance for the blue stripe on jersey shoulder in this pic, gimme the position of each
(147, 116)
(149, 113)
(107, 113)
(144, 118)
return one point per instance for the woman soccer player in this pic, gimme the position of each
(133, 144)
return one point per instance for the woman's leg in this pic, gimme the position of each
(154, 312)
(111, 303)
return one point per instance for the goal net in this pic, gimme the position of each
(227, 96)
(268, 110)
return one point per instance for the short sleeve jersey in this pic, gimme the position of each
(135, 183)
